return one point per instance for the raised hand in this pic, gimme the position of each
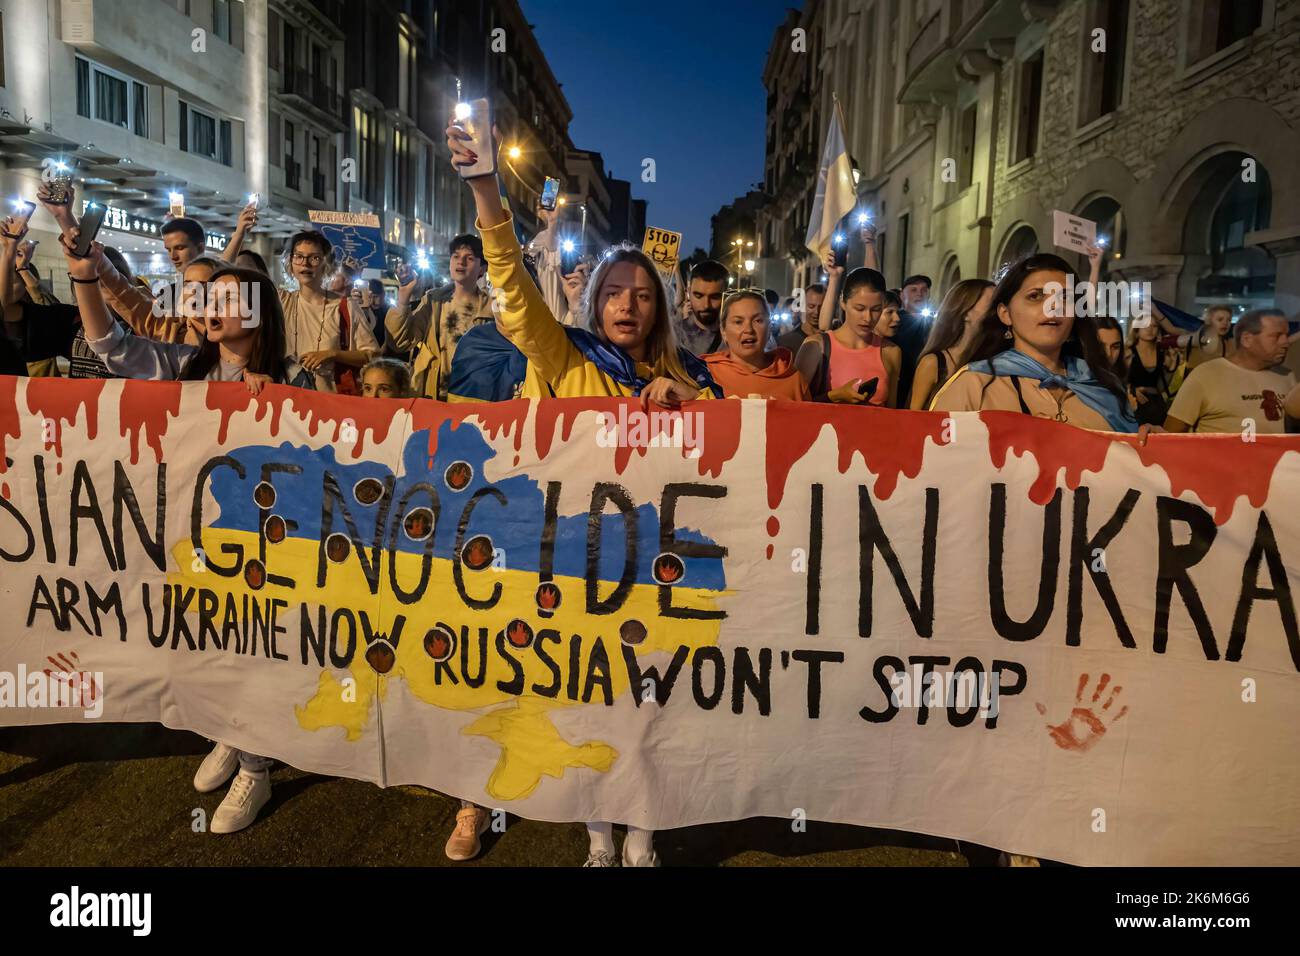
(458, 142)
(247, 220)
(12, 230)
(829, 265)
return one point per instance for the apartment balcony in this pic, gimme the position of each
(309, 92)
(959, 33)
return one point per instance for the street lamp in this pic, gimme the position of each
(740, 245)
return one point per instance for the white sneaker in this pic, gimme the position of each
(216, 768)
(247, 795)
(600, 858)
(651, 860)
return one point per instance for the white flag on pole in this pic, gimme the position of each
(836, 193)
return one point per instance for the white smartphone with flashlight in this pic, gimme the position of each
(475, 118)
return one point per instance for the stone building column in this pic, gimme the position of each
(1283, 244)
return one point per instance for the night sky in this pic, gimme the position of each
(680, 82)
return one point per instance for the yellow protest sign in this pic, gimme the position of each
(663, 247)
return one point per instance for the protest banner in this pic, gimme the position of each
(981, 625)
(355, 234)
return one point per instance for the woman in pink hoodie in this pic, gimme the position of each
(745, 369)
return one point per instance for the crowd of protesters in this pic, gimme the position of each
(512, 323)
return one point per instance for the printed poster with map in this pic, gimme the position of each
(357, 235)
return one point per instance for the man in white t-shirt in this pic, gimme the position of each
(1244, 391)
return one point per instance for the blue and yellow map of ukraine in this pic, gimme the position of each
(445, 650)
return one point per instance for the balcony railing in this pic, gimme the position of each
(312, 89)
(925, 43)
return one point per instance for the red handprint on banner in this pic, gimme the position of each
(78, 681)
(1085, 726)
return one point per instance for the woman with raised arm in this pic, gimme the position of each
(629, 350)
(955, 328)
(244, 341)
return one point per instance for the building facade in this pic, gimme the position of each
(1173, 124)
(795, 130)
(733, 242)
(305, 118)
(587, 194)
(314, 104)
(139, 108)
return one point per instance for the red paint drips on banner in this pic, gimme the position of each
(719, 438)
(892, 443)
(59, 400)
(231, 397)
(374, 415)
(565, 411)
(1053, 446)
(1210, 466)
(143, 408)
(1214, 468)
(9, 424)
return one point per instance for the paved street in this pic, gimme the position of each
(121, 794)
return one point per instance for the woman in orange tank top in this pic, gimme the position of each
(853, 364)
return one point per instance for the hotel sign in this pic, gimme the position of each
(119, 219)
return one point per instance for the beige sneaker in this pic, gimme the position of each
(463, 844)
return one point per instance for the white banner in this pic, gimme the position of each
(979, 626)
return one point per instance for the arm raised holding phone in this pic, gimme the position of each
(628, 311)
